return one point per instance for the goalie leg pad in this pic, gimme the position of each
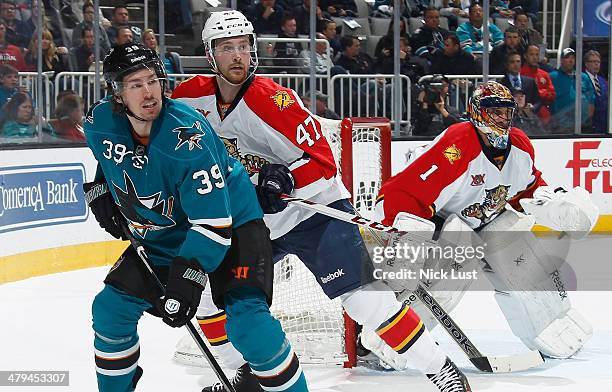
(447, 292)
(530, 290)
(248, 262)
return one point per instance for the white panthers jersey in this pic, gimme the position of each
(458, 174)
(268, 123)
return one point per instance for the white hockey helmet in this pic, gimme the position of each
(224, 24)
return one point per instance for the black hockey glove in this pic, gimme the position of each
(186, 281)
(274, 180)
(103, 206)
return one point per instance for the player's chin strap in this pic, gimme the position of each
(513, 363)
(127, 110)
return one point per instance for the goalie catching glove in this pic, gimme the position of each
(274, 180)
(104, 208)
(186, 281)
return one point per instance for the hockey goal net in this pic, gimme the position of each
(318, 329)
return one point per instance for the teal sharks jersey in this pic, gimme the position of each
(181, 194)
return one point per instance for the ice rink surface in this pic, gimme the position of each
(46, 325)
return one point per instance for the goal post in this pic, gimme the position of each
(319, 330)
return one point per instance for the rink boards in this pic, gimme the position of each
(45, 226)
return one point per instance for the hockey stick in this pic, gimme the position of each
(192, 330)
(482, 362)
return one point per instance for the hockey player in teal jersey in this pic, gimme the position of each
(164, 172)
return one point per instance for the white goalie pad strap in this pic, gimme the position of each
(572, 211)
(530, 288)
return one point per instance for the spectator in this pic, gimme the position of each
(592, 63)
(433, 114)
(267, 16)
(172, 60)
(408, 8)
(564, 81)
(514, 80)
(287, 53)
(329, 30)
(452, 60)
(121, 18)
(124, 35)
(68, 121)
(351, 59)
(512, 43)
(9, 85)
(430, 37)
(84, 54)
(17, 32)
(411, 66)
(528, 36)
(323, 62)
(524, 117)
(88, 20)
(53, 57)
(48, 24)
(10, 54)
(501, 9)
(531, 7)
(302, 17)
(19, 121)
(386, 41)
(321, 106)
(341, 8)
(470, 32)
(452, 10)
(546, 90)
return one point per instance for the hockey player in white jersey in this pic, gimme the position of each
(279, 141)
(470, 174)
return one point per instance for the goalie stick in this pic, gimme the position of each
(192, 330)
(513, 363)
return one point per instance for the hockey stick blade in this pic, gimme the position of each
(483, 363)
(514, 363)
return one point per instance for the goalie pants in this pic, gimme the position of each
(115, 318)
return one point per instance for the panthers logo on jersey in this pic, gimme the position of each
(144, 213)
(493, 204)
(252, 163)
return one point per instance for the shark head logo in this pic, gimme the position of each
(143, 212)
(189, 135)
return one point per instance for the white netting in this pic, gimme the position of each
(313, 323)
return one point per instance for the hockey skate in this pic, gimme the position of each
(450, 379)
(243, 381)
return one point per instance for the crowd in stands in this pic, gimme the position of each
(437, 37)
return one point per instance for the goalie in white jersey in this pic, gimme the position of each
(470, 174)
(280, 143)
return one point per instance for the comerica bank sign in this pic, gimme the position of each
(41, 195)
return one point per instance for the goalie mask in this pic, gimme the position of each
(229, 24)
(491, 109)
